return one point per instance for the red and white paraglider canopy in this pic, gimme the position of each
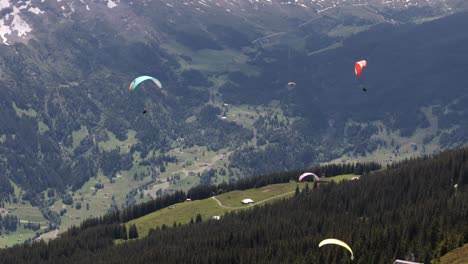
(359, 66)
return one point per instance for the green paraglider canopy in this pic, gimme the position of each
(133, 85)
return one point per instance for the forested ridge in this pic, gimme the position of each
(417, 208)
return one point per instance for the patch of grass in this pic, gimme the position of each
(2, 138)
(346, 31)
(21, 234)
(114, 143)
(99, 200)
(408, 147)
(26, 212)
(456, 256)
(42, 127)
(181, 213)
(341, 178)
(234, 198)
(193, 160)
(187, 182)
(241, 115)
(79, 135)
(211, 60)
(21, 112)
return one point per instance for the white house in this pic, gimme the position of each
(398, 261)
(247, 201)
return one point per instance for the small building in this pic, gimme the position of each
(354, 178)
(216, 217)
(398, 261)
(247, 201)
(188, 200)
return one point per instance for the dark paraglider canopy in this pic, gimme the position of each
(144, 111)
(364, 89)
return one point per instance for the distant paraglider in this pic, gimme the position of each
(291, 85)
(134, 84)
(358, 68)
(306, 174)
(332, 241)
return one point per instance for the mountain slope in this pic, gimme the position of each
(67, 118)
(382, 216)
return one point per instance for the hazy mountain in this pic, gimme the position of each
(67, 116)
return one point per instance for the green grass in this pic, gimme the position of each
(346, 31)
(79, 135)
(19, 236)
(42, 127)
(193, 160)
(211, 60)
(26, 212)
(99, 201)
(183, 212)
(385, 155)
(21, 112)
(233, 199)
(456, 256)
(114, 143)
(341, 177)
(241, 115)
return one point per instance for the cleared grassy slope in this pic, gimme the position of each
(183, 212)
(457, 256)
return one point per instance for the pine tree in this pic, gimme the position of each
(198, 219)
(132, 232)
(123, 232)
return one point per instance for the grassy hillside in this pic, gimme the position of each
(457, 256)
(183, 212)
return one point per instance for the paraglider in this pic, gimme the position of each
(358, 68)
(332, 241)
(291, 85)
(134, 84)
(316, 178)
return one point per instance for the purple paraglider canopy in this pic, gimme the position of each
(305, 174)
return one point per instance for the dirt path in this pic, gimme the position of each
(250, 205)
(32, 222)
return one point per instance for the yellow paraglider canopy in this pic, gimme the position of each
(332, 241)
